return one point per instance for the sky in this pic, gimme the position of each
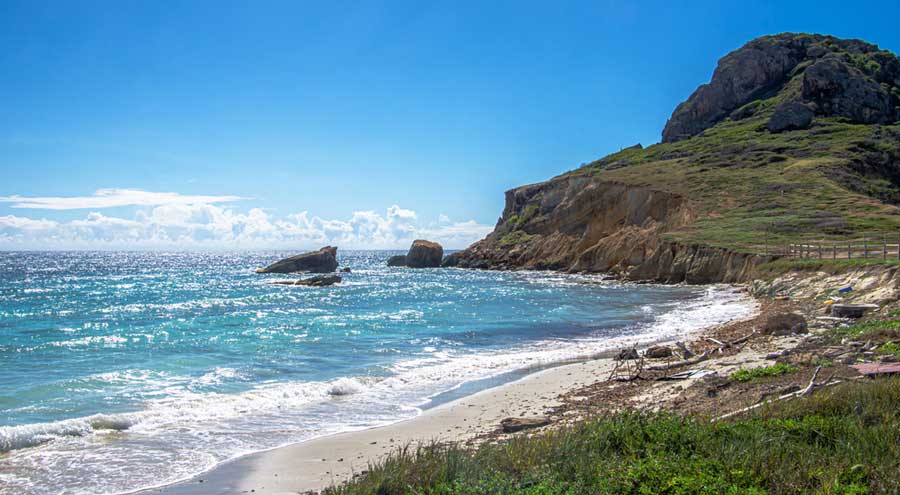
(268, 124)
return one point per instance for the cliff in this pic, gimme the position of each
(795, 136)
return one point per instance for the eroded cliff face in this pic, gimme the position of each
(585, 224)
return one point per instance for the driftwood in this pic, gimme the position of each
(685, 352)
(812, 385)
(702, 357)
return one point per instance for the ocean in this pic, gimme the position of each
(128, 370)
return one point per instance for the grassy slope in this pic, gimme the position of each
(841, 440)
(744, 181)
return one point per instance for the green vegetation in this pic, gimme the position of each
(750, 187)
(746, 375)
(818, 265)
(891, 348)
(869, 329)
(841, 440)
(514, 238)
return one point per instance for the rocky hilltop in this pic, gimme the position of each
(796, 135)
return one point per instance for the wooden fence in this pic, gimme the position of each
(879, 246)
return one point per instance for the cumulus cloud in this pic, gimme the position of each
(109, 198)
(187, 225)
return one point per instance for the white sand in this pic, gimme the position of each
(317, 463)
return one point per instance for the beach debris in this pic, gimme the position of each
(844, 290)
(685, 352)
(658, 352)
(627, 354)
(875, 369)
(322, 261)
(781, 324)
(512, 425)
(684, 375)
(799, 393)
(851, 310)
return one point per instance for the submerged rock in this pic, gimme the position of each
(320, 280)
(398, 260)
(424, 254)
(322, 261)
(346, 269)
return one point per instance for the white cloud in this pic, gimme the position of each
(182, 225)
(109, 198)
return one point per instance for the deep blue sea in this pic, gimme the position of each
(121, 371)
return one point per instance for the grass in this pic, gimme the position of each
(841, 440)
(869, 329)
(752, 374)
(824, 265)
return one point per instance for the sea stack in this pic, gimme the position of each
(422, 254)
(322, 261)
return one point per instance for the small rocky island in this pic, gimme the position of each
(422, 254)
(322, 261)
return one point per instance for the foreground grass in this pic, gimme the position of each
(843, 440)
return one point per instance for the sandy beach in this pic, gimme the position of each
(317, 463)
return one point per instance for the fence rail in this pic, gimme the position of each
(867, 247)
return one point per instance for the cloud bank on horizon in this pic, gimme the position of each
(175, 221)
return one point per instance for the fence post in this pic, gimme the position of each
(865, 246)
(849, 250)
(833, 250)
(884, 247)
(820, 251)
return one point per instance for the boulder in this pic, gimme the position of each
(322, 261)
(789, 116)
(398, 260)
(781, 324)
(658, 352)
(512, 425)
(424, 254)
(320, 280)
(346, 269)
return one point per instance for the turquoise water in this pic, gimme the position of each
(122, 371)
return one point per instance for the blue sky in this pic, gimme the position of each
(289, 124)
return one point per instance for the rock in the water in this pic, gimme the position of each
(322, 261)
(424, 254)
(320, 280)
(658, 352)
(346, 269)
(784, 324)
(398, 260)
(789, 116)
(512, 425)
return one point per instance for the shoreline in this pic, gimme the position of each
(312, 465)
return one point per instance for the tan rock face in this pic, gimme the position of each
(424, 254)
(586, 224)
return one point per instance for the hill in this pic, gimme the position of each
(796, 137)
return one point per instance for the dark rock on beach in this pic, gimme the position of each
(322, 261)
(512, 425)
(781, 324)
(658, 352)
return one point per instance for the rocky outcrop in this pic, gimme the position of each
(422, 254)
(789, 116)
(585, 224)
(830, 76)
(322, 261)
